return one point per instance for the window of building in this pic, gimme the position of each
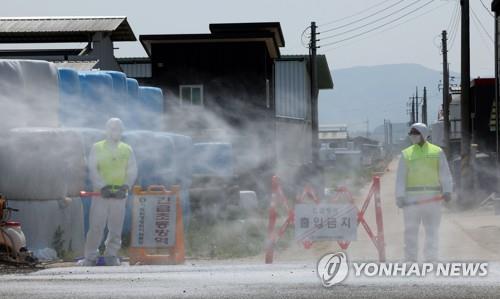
(191, 95)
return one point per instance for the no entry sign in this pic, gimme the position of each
(326, 221)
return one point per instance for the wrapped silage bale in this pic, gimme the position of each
(39, 167)
(164, 156)
(131, 122)
(145, 148)
(146, 152)
(213, 159)
(29, 94)
(41, 164)
(71, 103)
(156, 157)
(88, 137)
(51, 225)
(117, 106)
(151, 107)
(97, 91)
(182, 166)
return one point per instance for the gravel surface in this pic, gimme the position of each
(213, 280)
(11, 269)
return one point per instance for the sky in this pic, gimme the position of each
(414, 38)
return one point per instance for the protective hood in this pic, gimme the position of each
(422, 128)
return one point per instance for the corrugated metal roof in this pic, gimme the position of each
(77, 65)
(333, 127)
(333, 135)
(42, 29)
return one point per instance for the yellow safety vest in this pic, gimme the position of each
(422, 164)
(112, 163)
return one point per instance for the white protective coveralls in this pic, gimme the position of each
(108, 211)
(429, 214)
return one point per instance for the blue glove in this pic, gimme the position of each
(400, 202)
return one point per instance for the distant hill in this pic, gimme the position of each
(375, 93)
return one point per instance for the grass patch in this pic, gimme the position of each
(226, 238)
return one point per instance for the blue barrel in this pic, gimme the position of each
(97, 90)
(151, 107)
(117, 107)
(131, 121)
(88, 137)
(213, 159)
(133, 87)
(69, 98)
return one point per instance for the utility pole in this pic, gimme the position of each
(319, 182)
(390, 133)
(497, 93)
(386, 133)
(416, 104)
(424, 106)
(466, 171)
(314, 95)
(412, 110)
(446, 95)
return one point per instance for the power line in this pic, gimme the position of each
(481, 24)
(305, 44)
(380, 26)
(369, 23)
(477, 24)
(362, 19)
(355, 14)
(454, 29)
(452, 19)
(391, 27)
(486, 8)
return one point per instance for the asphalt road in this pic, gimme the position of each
(224, 280)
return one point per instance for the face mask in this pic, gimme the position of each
(114, 134)
(415, 139)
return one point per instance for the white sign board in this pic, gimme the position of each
(153, 221)
(326, 221)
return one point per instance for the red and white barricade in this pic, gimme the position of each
(335, 219)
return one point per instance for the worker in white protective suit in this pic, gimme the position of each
(423, 177)
(113, 170)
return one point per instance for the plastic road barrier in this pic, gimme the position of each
(342, 200)
(157, 227)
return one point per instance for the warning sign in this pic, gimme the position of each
(326, 221)
(154, 219)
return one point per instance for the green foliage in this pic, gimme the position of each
(226, 239)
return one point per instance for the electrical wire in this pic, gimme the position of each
(369, 23)
(481, 24)
(364, 18)
(377, 27)
(304, 43)
(477, 25)
(355, 14)
(486, 8)
(391, 27)
(452, 19)
(454, 29)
